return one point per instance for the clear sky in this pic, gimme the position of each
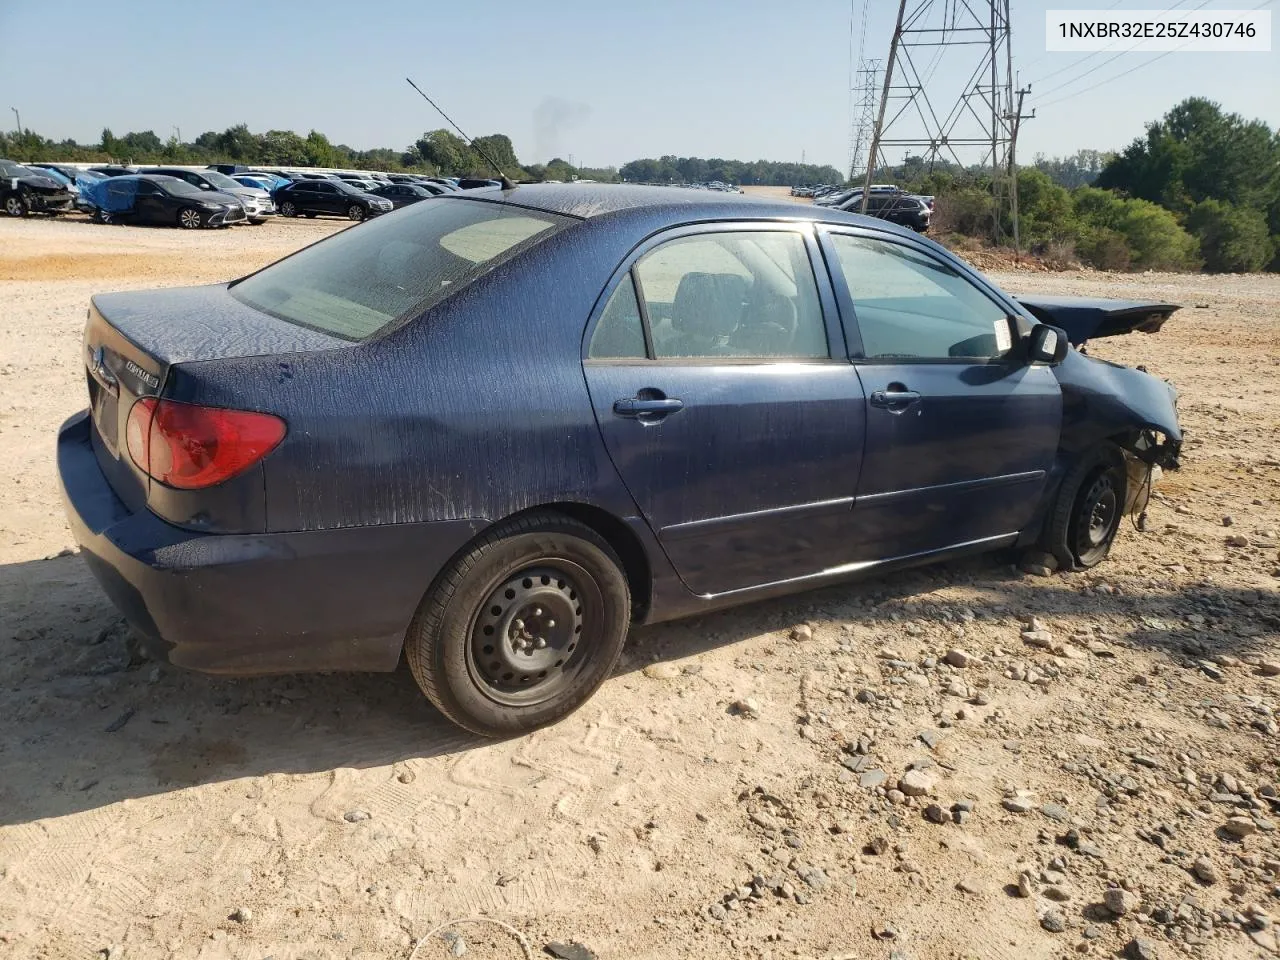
(605, 82)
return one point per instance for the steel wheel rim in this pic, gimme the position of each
(14, 207)
(356, 212)
(533, 635)
(190, 219)
(1098, 513)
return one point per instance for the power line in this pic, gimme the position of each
(1078, 60)
(1114, 56)
(1125, 73)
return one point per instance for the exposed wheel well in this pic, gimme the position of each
(624, 542)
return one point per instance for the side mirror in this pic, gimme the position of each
(1047, 344)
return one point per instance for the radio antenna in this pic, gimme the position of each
(506, 182)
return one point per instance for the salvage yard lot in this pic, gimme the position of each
(142, 807)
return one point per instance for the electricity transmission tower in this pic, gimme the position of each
(965, 123)
(863, 94)
(866, 97)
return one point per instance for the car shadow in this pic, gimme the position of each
(86, 722)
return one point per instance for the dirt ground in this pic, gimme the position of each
(745, 799)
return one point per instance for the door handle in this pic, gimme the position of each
(647, 409)
(894, 400)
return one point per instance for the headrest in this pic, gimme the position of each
(708, 304)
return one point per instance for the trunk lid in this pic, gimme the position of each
(133, 340)
(1087, 318)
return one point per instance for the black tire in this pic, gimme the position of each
(15, 206)
(288, 209)
(1088, 510)
(309, 216)
(355, 212)
(103, 216)
(522, 628)
(189, 218)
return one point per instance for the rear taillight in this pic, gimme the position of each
(187, 446)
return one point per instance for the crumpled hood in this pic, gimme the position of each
(1087, 318)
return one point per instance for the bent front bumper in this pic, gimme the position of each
(253, 603)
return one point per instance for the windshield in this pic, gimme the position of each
(359, 282)
(220, 180)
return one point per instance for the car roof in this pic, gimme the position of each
(661, 207)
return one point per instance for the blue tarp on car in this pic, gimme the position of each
(112, 195)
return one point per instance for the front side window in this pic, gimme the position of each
(742, 294)
(911, 306)
(358, 282)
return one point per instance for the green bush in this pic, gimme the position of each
(967, 210)
(1151, 234)
(1232, 239)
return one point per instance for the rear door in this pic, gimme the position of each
(328, 199)
(720, 383)
(961, 433)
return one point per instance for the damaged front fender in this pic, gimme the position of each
(1102, 401)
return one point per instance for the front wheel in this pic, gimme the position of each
(522, 628)
(15, 206)
(189, 218)
(355, 212)
(288, 209)
(1088, 510)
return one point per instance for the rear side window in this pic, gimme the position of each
(911, 306)
(744, 294)
(363, 280)
(619, 334)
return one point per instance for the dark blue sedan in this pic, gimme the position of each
(494, 430)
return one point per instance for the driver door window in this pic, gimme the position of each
(912, 307)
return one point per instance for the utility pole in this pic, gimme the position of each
(884, 102)
(1014, 126)
(17, 116)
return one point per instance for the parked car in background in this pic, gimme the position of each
(162, 200)
(113, 170)
(68, 183)
(900, 208)
(403, 194)
(493, 431)
(332, 197)
(258, 205)
(259, 181)
(477, 183)
(24, 190)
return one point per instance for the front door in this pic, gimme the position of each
(720, 385)
(961, 433)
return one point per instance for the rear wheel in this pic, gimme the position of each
(522, 628)
(288, 209)
(103, 216)
(15, 206)
(355, 212)
(189, 218)
(1087, 513)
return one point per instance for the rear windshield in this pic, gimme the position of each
(366, 278)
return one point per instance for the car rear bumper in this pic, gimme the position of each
(253, 603)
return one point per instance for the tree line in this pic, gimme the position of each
(1201, 188)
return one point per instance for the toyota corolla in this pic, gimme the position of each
(491, 432)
